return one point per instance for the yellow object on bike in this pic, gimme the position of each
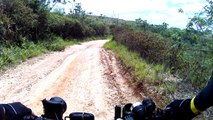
(193, 108)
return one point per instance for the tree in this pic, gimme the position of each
(143, 24)
(203, 20)
(199, 25)
(165, 25)
(18, 20)
(78, 11)
(51, 3)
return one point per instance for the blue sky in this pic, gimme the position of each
(154, 11)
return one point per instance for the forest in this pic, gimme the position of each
(29, 28)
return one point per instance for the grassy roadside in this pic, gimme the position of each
(11, 55)
(143, 70)
(149, 78)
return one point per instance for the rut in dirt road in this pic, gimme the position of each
(86, 76)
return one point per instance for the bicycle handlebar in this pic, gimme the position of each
(145, 110)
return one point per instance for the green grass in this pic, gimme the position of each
(57, 43)
(12, 55)
(141, 69)
(171, 87)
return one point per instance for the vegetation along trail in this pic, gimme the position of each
(86, 76)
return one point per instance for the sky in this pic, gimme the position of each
(154, 11)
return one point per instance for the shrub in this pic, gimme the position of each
(189, 62)
(150, 46)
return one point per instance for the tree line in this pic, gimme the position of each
(29, 28)
(187, 52)
(32, 19)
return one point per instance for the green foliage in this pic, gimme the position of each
(28, 29)
(100, 29)
(187, 52)
(33, 20)
(68, 27)
(150, 46)
(57, 44)
(140, 68)
(142, 24)
(204, 19)
(194, 65)
(17, 19)
(14, 55)
(189, 61)
(11, 55)
(169, 86)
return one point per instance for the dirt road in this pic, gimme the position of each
(86, 76)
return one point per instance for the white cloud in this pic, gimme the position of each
(155, 11)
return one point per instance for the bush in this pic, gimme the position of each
(189, 62)
(56, 43)
(100, 29)
(150, 46)
(11, 55)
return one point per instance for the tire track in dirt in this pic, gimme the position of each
(86, 76)
(116, 79)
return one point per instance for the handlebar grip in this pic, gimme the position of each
(81, 116)
(118, 109)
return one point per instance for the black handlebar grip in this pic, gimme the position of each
(81, 116)
(117, 112)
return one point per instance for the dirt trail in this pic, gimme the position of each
(86, 76)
